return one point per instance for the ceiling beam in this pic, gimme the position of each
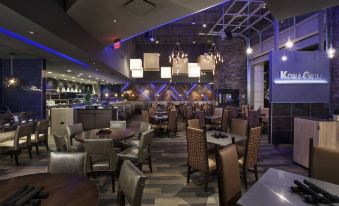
(249, 16)
(223, 15)
(256, 21)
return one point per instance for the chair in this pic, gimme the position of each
(188, 112)
(15, 145)
(60, 143)
(144, 127)
(233, 113)
(141, 153)
(131, 184)
(145, 116)
(117, 124)
(41, 135)
(171, 125)
(324, 163)
(198, 158)
(101, 157)
(239, 127)
(67, 163)
(250, 158)
(193, 123)
(202, 121)
(253, 118)
(72, 130)
(229, 176)
(224, 121)
(218, 111)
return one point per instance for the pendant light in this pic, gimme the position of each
(177, 55)
(249, 50)
(330, 51)
(11, 81)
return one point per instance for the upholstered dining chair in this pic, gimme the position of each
(141, 153)
(73, 130)
(228, 171)
(60, 143)
(171, 125)
(145, 116)
(193, 123)
(198, 158)
(202, 121)
(135, 141)
(41, 135)
(117, 124)
(253, 118)
(239, 127)
(224, 124)
(188, 113)
(250, 159)
(101, 157)
(21, 139)
(131, 184)
(323, 163)
(67, 162)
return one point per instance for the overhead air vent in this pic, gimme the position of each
(139, 7)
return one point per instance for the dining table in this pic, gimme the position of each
(274, 188)
(229, 138)
(62, 189)
(115, 134)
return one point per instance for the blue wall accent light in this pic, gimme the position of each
(40, 46)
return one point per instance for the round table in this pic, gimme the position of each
(63, 189)
(116, 134)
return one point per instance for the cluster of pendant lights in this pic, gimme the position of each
(11, 81)
(176, 58)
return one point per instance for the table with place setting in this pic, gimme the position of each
(106, 133)
(223, 138)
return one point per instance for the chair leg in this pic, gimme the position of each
(206, 182)
(121, 199)
(16, 156)
(47, 147)
(188, 174)
(245, 178)
(37, 149)
(11, 154)
(150, 164)
(30, 152)
(113, 182)
(256, 172)
(140, 166)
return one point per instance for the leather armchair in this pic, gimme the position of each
(229, 181)
(21, 140)
(101, 157)
(118, 124)
(131, 184)
(68, 163)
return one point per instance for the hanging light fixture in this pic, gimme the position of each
(330, 52)
(193, 70)
(11, 81)
(289, 43)
(214, 54)
(249, 50)
(177, 55)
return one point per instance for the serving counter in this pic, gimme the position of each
(324, 133)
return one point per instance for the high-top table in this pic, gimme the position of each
(63, 189)
(273, 188)
(116, 134)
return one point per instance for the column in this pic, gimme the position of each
(258, 86)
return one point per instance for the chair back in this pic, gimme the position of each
(151, 111)
(66, 162)
(324, 163)
(145, 144)
(145, 116)
(208, 110)
(101, 148)
(233, 114)
(172, 120)
(253, 118)
(201, 117)
(193, 123)
(42, 127)
(228, 172)
(197, 149)
(144, 126)
(252, 147)
(23, 131)
(218, 111)
(117, 124)
(224, 120)
(239, 126)
(189, 112)
(72, 130)
(131, 183)
(60, 143)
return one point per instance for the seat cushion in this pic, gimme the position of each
(131, 143)
(129, 154)
(9, 145)
(212, 164)
(5, 136)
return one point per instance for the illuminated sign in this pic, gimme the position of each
(305, 77)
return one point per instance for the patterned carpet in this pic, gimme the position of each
(167, 184)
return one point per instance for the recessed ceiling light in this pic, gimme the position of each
(31, 32)
(65, 79)
(102, 80)
(68, 70)
(82, 79)
(81, 74)
(115, 21)
(157, 41)
(73, 77)
(62, 75)
(97, 78)
(193, 42)
(54, 77)
(93, 63)
(96, 69)
(193, 22)
(49, 72)
(89, 76)
(204, 25)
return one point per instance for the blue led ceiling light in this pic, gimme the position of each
(40, 46)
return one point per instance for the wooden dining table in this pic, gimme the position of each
(115, 134)
(227, 140)
(63, 189)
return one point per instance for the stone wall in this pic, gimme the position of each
(232, 74)
(335, 61)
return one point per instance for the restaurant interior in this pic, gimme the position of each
(148, 102)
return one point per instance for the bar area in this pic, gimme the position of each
(156, 103)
